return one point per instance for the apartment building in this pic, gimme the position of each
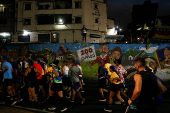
(60, 21)
(7, 20)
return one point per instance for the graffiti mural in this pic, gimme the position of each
(157, 56)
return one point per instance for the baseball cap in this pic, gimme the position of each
(78, 62)
(4, 57)
(113, 68)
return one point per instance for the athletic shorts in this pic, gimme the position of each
(122, 85)
(75, 85)
(31, 84)
(115, 87)
(80, 78)
(102, 83)
(57, 87)
(39, 82)
(8, 82)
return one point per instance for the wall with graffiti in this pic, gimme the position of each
(157, 56)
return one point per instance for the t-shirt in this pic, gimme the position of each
(8, 73)
(40, 69)
(121, 71)
(114, 75)
(80, 70)
(57, 79)
(107, 66)
(74, 73)
(102, 71)
(66, 70)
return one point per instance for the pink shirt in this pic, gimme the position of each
(121, 72)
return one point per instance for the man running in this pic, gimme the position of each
(7, 75)
(57, 86)
(147, 88)
(74, 73)
(102, 72)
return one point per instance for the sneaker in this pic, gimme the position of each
(13, 103)
(52, 108)
(118, 102)
(82, 101)
(103, 99)
(20, 100)
(82, 91)
(108, 109)
(79, 88)
(71, 100)
(64, 109)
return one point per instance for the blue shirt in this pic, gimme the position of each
(57, 79)
(8, 73)
(102, 72)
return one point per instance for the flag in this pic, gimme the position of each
(162, 33)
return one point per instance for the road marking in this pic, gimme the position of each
(32, 109)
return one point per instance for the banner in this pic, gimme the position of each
(86, 54)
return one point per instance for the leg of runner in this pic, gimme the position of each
(109, 108)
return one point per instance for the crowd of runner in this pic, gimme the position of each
(43, 80)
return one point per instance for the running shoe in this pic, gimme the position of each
(52, 108)
(71, 100)
(20, 100)
(82, 101)
(108, 109)
(64, 109)
(82, 91)
(13, 103)
(118, 102)
(103, 99)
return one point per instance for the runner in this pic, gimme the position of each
(146, 90)
(102, 72)
(115, 89)
(39, 79)
(7, 76)
(121, 72)
(80, 76)
(57, 86)
(74, 73)
(107, 66)
(30, 73)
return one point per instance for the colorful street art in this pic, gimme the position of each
(157, 56)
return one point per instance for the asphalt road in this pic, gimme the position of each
(91, 105)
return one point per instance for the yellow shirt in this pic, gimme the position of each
(49, 70)
(113, 76)
(107, 66)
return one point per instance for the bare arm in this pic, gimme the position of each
(161, 88)
(138, 86)
(63, 70)
(56, 74)
(26, 72)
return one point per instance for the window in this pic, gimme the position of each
(6, 9)
(27, 21)
(45, 19)
(3, 21)
(22, 38)
(77, 19)
(95, 6)
(77, 4)
(63, 18)
(28, 6)
(43, 37)
(96, 20)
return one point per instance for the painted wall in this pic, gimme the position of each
(157, 56)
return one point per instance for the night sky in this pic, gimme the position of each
(115, 7)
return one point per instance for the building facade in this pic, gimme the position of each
(7, 20)
(60, 21)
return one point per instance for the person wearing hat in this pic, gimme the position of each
(115, 88)
(80, 76)
(102, 72)
(57, 86)
(7, 75)
(74, 73)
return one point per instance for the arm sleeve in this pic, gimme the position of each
(97, 59)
